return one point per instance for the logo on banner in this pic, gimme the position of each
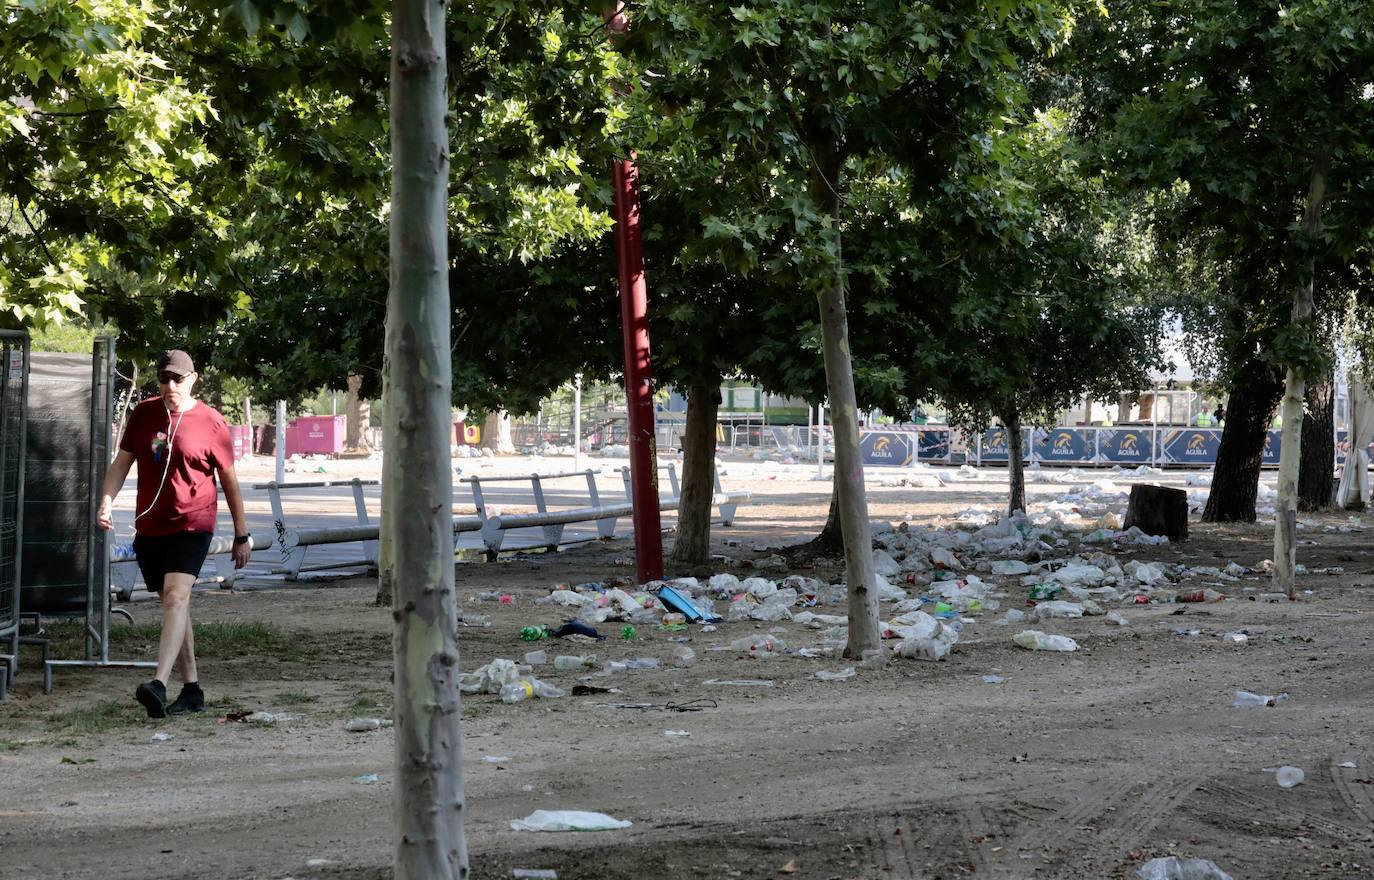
(1197, 446)
(997, 439)
(1063, 441)
(881, 448)
(1130, 444)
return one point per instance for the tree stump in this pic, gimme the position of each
(1158, 510)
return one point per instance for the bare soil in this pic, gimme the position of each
(1076, 765)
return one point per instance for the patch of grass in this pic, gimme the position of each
(218, 640)
(11, 745)
(293, 698)
(369, 705)
(98, 718)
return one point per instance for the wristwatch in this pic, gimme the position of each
(243, 539)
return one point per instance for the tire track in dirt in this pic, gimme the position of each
(1357, 796)
(1108, 819)
(902, 849)
(1266, 807)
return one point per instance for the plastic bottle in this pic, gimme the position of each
(533, 633)
(568, 662)
(1207, 595)
(516, 691)
(536, 658)
(674, 619)
(684, 656)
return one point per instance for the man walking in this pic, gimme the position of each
(180, 445)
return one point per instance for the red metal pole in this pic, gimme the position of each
(639, 386)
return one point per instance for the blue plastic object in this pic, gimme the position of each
(681, 604)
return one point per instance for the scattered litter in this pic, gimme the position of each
(496, 759)
(1287, 776)
(361, 725)
(1035, 640)
(318, 863)
(534, 874)
(161, 737)
(993, 679)
(1247, 700)
(740, 682)
(367, 778)
(567, 820)
(573, 628)
(676, 733)
(842, 675)
(1174, 868)
(268, 718)
(1236, 636)
(1114, 617)
(1180, 631)
(1348, 765)
(536, 658)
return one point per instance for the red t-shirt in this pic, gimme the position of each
(177, 490)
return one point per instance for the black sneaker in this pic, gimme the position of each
(191, 699)
(153, 696)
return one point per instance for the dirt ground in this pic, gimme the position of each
(1078, 765)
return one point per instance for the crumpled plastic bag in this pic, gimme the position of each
(1084, 575)
(884, 564)
(489, 679)
(568, 597)
(760, 588)
(1174, 868)
(723, 586)
(889, 593)
(1058, 608)
(924, 638)
(568, 820)
(941, 557)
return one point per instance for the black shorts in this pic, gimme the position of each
(158, 555)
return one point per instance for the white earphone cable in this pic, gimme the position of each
(171, 437)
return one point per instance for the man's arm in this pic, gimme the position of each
(115, 475)
(233, 496)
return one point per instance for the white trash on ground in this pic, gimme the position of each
(1288, 776)
(1035, 640)
(1174, 868)
(1248, 700)
(567, 820)
(1058, 608)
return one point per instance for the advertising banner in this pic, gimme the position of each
(1273, 444)
(1068, 445)
(932, 444)
(886, 448)
(994, 445)
(1192, 445)
(1125, 445)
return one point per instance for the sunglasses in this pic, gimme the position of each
(166, 378)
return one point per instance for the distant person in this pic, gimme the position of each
(180, 445)
(1219, 415)
(1203, 419)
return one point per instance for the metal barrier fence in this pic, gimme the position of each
(14, 361)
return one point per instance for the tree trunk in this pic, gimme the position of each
(1016, 471)
(844, 419)
(496, 433)
(248, 418)
(1286, 510)
(429, 797)
(1317, 470)
(831, 538)
(1235, 478)
(693, 542)
(357, 414)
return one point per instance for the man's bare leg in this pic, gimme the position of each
(186, 660)
(176, 625)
